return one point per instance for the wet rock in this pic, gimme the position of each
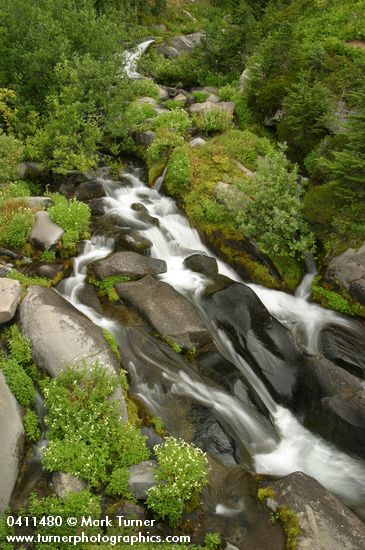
(11, 437)
(206, 106)
(89, 190)
(49, 271)
(10, 292)
(331, 402)
(45, 233)
(9, 253)
(210, 437)
(139, 207)
(347, 268)
(197, 142)
(264, 342)
(345, 347)
(89, 297)
(60, 335)
(96, 207)
(153, 438)
(169, 313)
(131, 511)
(202, 264)
(141, 478)
(66, 184)
(129, 264)
(326, 523)
(125, 238)
(144, 138)
(63, 484)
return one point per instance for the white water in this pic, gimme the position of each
(173, 240)
(131, 59)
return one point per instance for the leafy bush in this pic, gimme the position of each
(184, 69)
(31, 426)
(16, 224)
(86, 435)
(145, 87)
(48, 256)
(183, 471)
(177, 120)
(138, 113)
(178, 174)
(12, 152)
(73, 216)
(214, 120)
(172, 104)
(15, 190)
(272, 212)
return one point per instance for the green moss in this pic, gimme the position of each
(178, 175)
(290, 269)
(156, 169)
(290, 523)
(335, 301)
(264, 493)
(112, 343)
(106, 286)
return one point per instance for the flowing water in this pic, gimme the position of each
(281, 448)
(131, 58)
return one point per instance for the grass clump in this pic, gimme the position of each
(86, 435)
(183, 473)
(74, 218)
(16, 222)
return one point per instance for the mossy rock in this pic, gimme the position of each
(155, 170)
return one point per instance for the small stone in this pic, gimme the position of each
(197, 142)
(141, 478)
(10, 292)
(63, 484)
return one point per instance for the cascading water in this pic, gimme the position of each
(289, 446)
(131, 58)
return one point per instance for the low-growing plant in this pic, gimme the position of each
(158, 425)
(290, 523)
(214, 120)
(78, 505)
(28, 280)
(15, 226)
(86, 434)
(118, 483)
(333, 300)
(177, 120)
(18, 381)
(172, 104)
(212, 541)
(48, 256)
(200, 96)
(137, 113)
(145, 87)
(19, 346)
(15, 189)
(183, 473)
(177, 179)
(112, 343)
(165, 142)
(74, 218)
(31, 426)
(106, 286)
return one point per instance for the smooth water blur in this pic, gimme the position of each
(281, 448)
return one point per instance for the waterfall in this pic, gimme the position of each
(288, 446)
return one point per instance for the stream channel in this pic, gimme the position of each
(274, 443)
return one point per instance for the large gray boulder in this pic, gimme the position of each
(130, 264)
(45, 233)
(11, 437)
(10, 292)
(60, 335)
(169, 313)
(347, 271)
(326, 523)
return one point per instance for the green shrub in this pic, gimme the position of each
(112, 343)
(138, 113)
(74, 218)
(86, 435)
(19, 346)
(200, 97)
(118, 483)
(177, 120)
(172, 104)
(15, 226)
(15, 190)
(31, 426)
(212, 541)
(18, 381)
(214, 120)
(184, 69)
(183, 471)
(165, 142)
(48, 256)
(178, 173)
